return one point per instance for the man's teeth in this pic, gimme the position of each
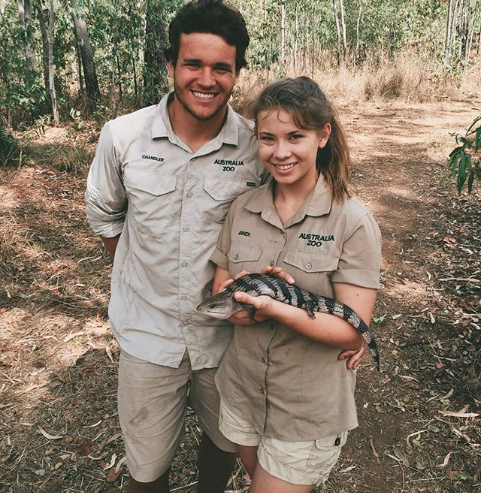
(201, 95)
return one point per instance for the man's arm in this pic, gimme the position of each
(105, 195)
(110, 244)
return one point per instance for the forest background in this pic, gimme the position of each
(404, 74)
(74, 60)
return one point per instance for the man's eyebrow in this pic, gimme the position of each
(224, 65)
(190, 60)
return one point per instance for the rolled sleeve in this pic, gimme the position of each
(360, 260)
(105, 195)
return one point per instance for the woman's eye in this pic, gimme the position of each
(296, 136)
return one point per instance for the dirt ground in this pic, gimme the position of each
(419, 425)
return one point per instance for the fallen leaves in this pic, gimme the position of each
(48, 435)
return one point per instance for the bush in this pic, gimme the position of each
(9, 148)
(465, 160)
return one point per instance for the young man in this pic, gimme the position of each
(158, 190)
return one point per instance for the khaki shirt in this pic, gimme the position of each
(290, 387)
(169, 204)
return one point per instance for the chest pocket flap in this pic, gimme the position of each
(243, 253)
(226, 189)
(308, 262)
(152, 183)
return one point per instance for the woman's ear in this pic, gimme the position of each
(324, 135)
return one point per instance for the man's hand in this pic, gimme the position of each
(353, 357)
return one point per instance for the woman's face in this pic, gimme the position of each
(288, 152)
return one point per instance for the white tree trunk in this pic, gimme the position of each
(338, 32)
(283, 33)
(51, 66)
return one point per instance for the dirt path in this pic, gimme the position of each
(58, 429)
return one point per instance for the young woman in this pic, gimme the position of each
(287, 399)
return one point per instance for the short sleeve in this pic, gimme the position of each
(360, 261)
(219, 257)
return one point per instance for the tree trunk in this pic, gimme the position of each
(358, 35)
(25, 15)
(338, 32)
(51, 66)
(296, 35)
(43, 31)
(155, 64)
(449, 34)
(86, 53)
(343, 26)
(283, 33)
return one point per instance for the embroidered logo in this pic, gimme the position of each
(228, 165)
(315, 240)
(244, 233)
(153, 158)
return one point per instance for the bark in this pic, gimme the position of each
(86, 53)
(343, 26)
(338, 32)
(51, 66)
(44, 33)
(358, 35)
(155, 64)
(449, 34)
(283, 33)
(296, 35)
(25, 15)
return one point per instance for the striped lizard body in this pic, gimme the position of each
(223, 305)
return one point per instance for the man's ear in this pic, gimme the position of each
(170, 68)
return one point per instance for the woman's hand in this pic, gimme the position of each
(259, 303)
(278, 272)
(353, 357)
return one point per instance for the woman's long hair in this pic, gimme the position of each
(311, 110)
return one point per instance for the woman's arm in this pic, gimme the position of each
(326, 328)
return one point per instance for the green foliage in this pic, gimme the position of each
(9, 148)
(465, 159)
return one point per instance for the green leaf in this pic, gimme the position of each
(462, 172)
(477, 139)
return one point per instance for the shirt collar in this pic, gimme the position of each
(161, 126)
(318, 202)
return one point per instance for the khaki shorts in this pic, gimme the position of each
(152, 400)
(295, 462)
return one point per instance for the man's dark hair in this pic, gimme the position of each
(212, 17)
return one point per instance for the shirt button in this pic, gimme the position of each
(272, 263)
(186, 229)
(189, 194)
(183, 297)
(236, 256)
(272, 326)
(263, 360)
(184, 264)
(308, 266)
(261, 391)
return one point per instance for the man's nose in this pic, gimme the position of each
(206, 78)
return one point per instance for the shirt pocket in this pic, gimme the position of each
(243, 257)
(220, 195)
(312, 272)
(151, 200)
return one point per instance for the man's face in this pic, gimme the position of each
(204, 75)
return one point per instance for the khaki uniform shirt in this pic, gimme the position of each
(290, 387)
(169, 204)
